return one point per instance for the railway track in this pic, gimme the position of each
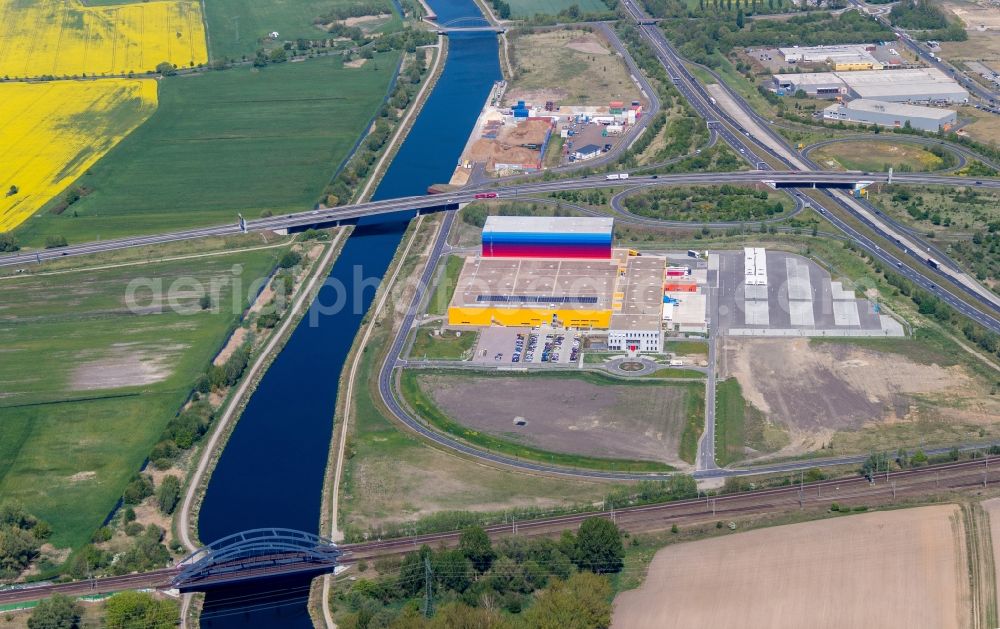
(885, 488)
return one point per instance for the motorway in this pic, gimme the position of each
(372, 208)
(884, 489)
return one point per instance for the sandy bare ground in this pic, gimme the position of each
(235, 340)
(814, 390)
(975, 16)
(903, 568)
(125, 365)
(569, 67)
(589, 46)
(568, 415)
(992, 508)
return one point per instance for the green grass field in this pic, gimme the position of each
(730, 419)
(674, 372)
(693, 427)
(236, 27)
(88, 384)
(876, 156)
(220, 143)
(441, 297)
(527, 8)
(686, 348)
(449, 345)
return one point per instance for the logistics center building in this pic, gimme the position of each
(561, 272)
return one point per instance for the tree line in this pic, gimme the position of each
(517, 583)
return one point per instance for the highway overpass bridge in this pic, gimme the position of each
(449, 200)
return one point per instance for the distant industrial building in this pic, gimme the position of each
(915, 85)
(816, 84)
(892, 115)
(842, 58)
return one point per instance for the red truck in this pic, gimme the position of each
(486, 195)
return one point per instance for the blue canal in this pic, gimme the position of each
(271, 471)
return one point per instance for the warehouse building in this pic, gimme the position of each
(842, 58)
(540, 271)
(547, 237)
(892, 115)
(817, 84)
(914, 85)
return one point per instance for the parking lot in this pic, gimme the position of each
(800, 299)
(585, 134)
(520, 346)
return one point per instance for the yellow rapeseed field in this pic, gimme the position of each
(66, 38)
(50, 133)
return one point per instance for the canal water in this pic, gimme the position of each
(271, 472)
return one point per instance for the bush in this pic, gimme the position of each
(290, 259)
(58, 612)
(168, 494)
(134, 528)
(138, 489)
(8, 242)
(102, 534)
(599, 546)
(54, 242)
(138, 610)
(166, 68)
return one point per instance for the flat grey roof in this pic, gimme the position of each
(902, 109)
(810, 78)
(536, 283)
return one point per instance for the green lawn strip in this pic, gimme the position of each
(694, 425)
(927, 346)
(445, 346)
(235, 27)
(528, 8)
(67, 450)
(686, 348)
(730, 422)
(426, 409)
(244, 140)
(444, 289)
(673, 372)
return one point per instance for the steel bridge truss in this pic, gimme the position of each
(256, 553)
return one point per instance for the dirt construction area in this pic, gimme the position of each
(904, 568)
(814, 389)
(568, 67)
(568, 414)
